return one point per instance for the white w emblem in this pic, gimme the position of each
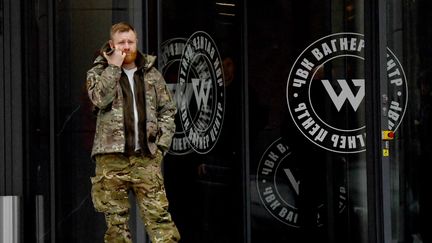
(346, 93)
(203, 94)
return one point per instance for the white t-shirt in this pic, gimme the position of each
(130, 74)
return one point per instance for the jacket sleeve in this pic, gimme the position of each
(101, 83)
(166, 111)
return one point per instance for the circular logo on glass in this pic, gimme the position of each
(326, 91)
(273, 168)
(201, 92)
(171, 53)
(279, 179)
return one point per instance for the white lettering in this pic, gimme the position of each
(317, 54)
(217, 124)
(343, 42)
(289, 216)
(307, 64)
(353, 46)
(298, 82)
(326, 49)
(302, 73)
(273, 156)
(180, 144)
(282, 148)
(350, 142)
(201, 142)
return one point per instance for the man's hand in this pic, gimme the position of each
(116, 58)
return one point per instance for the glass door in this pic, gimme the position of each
(201, 58)
(80, 28)
(409, 67)
(307, 120)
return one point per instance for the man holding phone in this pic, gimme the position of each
(134, 129)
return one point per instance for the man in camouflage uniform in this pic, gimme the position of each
(134, 129)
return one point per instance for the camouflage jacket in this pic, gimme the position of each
(105, 93)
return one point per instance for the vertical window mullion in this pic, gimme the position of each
(247, 227)
(378, 172)
(52, 114)
(2, 106)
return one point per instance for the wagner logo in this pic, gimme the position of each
(271, 169)
(326, 92)
(201, 92)
(204, 91)
(279, 179)
(171, 53)
(346, 93)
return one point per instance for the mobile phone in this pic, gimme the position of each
(110, 51)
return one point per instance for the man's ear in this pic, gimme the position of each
(111, 44)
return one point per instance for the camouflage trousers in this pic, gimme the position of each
(115, 176)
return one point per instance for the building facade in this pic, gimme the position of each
(298, 121)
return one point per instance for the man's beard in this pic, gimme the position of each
(130, 57)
